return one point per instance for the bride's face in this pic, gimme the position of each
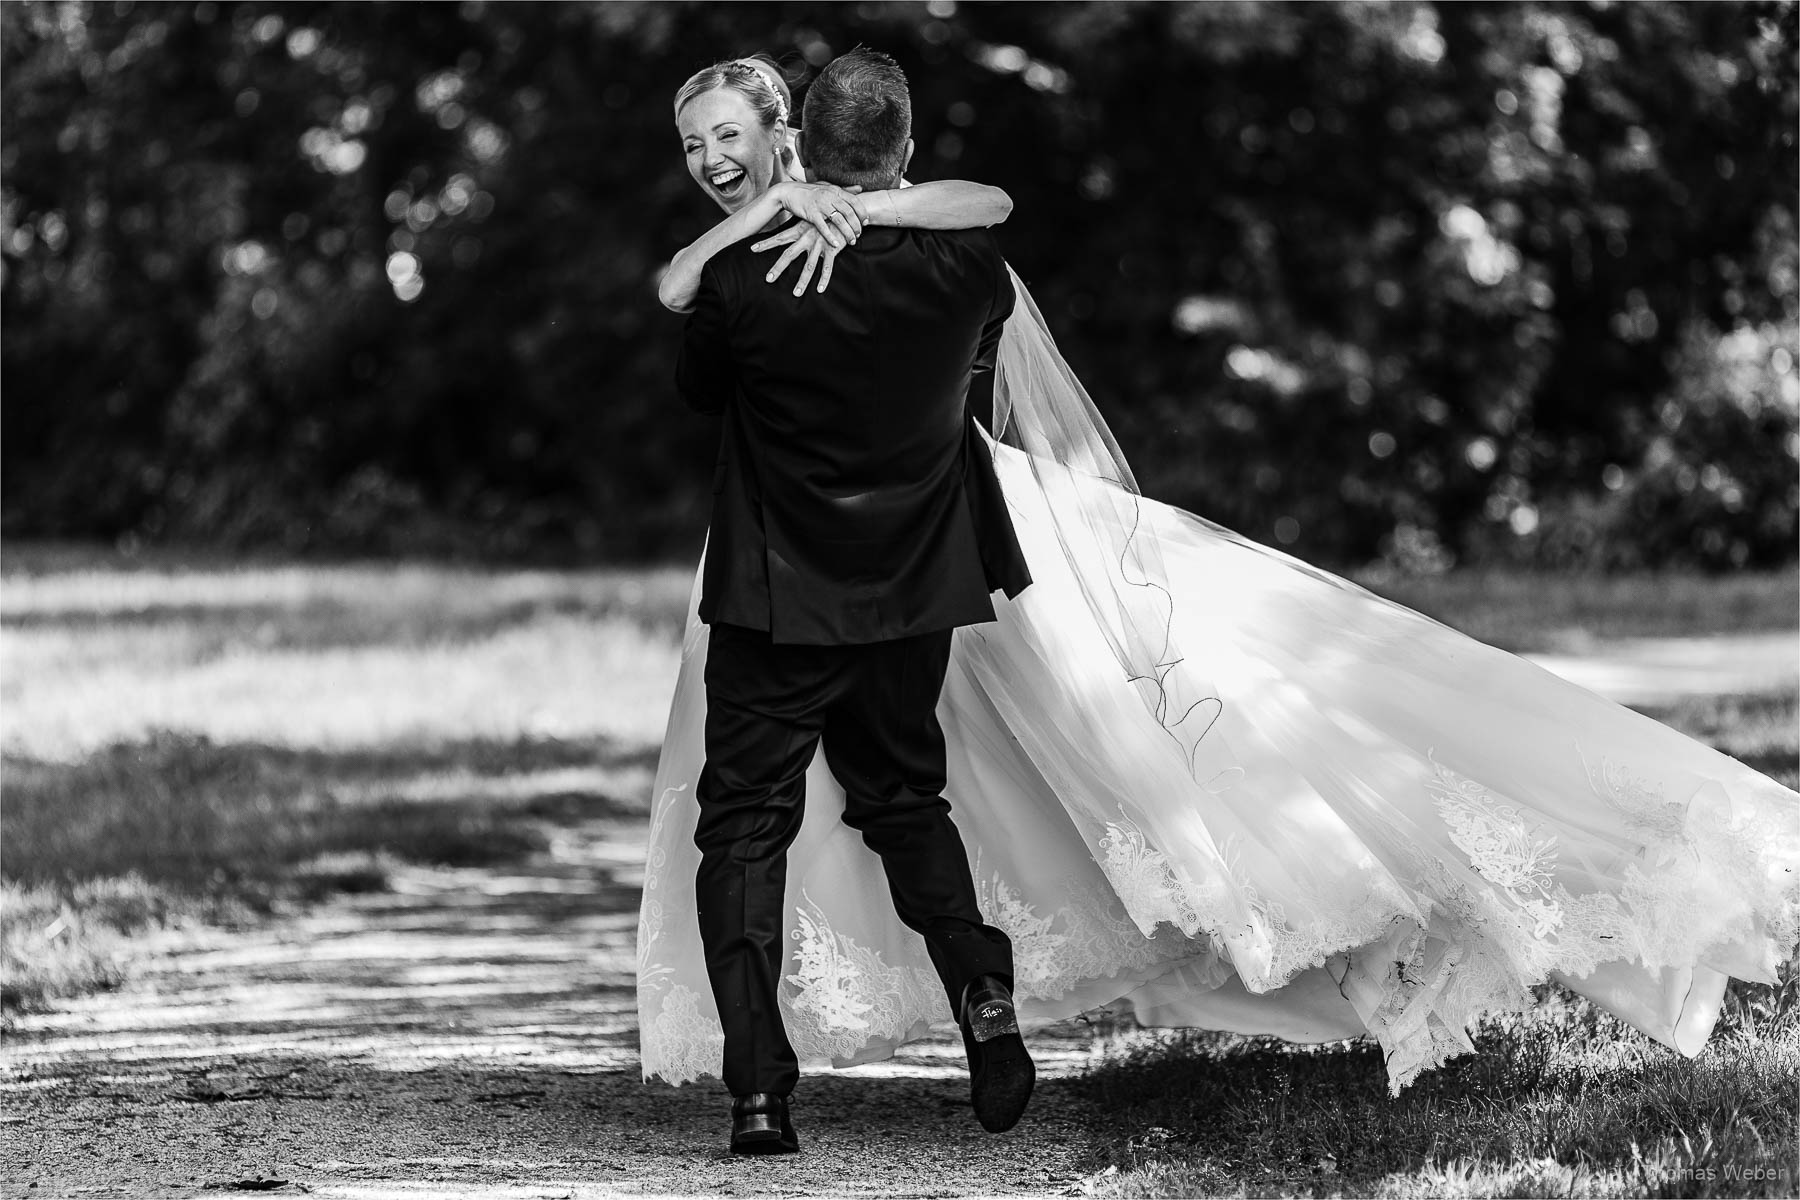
(730, 153)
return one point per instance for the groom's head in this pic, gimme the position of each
(858, 122)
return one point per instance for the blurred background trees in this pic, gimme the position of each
(1414, 282)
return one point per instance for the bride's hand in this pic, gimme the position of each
(837, 213)
(801, 239)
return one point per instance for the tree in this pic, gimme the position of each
(1418, 280)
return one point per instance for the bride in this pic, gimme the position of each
(1208, 785)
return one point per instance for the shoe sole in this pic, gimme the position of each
(1002, 1086)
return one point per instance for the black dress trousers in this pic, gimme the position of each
(875, 707)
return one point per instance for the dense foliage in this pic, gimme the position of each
(1416, 281)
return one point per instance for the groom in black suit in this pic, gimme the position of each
(857, 521)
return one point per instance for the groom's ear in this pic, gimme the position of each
(907, 161)
(799, 145)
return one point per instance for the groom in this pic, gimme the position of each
(857, 521)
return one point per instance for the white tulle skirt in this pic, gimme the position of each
(1388, 828)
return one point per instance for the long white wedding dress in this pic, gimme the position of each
(1211, 786)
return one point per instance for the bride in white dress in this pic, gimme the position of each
(1208, 785)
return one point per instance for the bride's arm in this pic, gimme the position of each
(807, 201)
(939, 204)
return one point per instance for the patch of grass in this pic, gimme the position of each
(72, 686)
(61, 942)
(320, 607)
(1762, 732)
(178, 828)
(1527, 612)
(1561, 1101)
(184, 812)
(219, 737)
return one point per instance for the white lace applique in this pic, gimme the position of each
(1642, 807)
(1145, 881)
(1037, 950)
(1090, 937)
(1507, 851)
(1102, 940)
(650, 915)
(1336, 923)
(829, 978)
(1410, 1024)
(680, 1043)
(1514, 856)
(1293, 948)
(1646, 919)
(842, 997)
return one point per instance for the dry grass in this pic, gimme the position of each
(204, 743)
(334, 656)
(1559, 1102)
(1528, 613)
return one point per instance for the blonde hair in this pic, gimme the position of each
(757, 79)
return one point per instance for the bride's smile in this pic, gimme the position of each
(730, 152)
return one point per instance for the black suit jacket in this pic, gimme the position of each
(854, 500)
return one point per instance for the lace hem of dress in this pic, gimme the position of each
(1697, 879)
(1425, 961)
(841, 998)
(1502, 906)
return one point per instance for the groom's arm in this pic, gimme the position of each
(705, 375)
(981, 379)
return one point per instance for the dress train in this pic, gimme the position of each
(1325, 816)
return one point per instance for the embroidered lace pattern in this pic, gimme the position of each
(1145, 881)
(1090, 937)
(1438, 945)
(1274, 947)
(681, 1043)
(842, 996)
(1486, 945)
(1638, 803)
(1294, 947)
(1708, 868)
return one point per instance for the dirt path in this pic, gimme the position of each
(470, 1033)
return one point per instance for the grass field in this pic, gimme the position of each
(196, 741)
(189, 742)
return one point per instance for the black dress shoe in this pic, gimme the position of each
(1000, 1069)
(760, 1125)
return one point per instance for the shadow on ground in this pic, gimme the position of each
(474, 1026)
(185, 811)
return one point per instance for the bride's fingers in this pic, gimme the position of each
(787, 234)
(825, 270)
(787, 256)
(850, 220)
(829, 231)
(812, 263)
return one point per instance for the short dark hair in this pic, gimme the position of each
(858, 116)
